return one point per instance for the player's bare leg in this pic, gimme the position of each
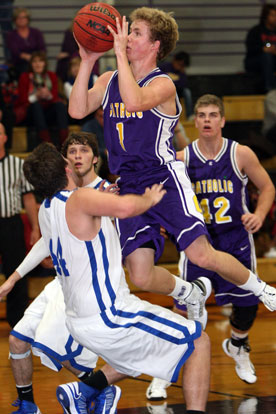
(143, 273)
(201, 253)
(112, 375)
(196, 375)
(22, 368)
(146, 276)
(21, 361)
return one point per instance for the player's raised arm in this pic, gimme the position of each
(83, 101)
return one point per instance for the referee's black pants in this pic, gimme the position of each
(13, 250)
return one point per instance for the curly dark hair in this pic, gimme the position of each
(82, 138)
(44, 168)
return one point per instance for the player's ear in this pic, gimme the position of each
(68, 170)
(95, 159)
(155, 45)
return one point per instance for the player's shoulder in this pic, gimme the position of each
(106, 76)
(245, 156)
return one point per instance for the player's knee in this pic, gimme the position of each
(140, 275)
(17, 346)
(202, 260)
(203, 345)
(242, 317)
(141, 280)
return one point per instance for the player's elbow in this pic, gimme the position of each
(133, 105)
(75, 113)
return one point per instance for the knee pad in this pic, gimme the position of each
(242, 317)
(19, 356)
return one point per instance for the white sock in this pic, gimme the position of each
(254, 284)
(182, 288)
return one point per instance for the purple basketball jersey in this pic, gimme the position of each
(221, 191)
(137, 141)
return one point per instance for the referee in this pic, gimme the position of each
(14, 189)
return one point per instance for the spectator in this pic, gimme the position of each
(6, 118)
(12, 245)
(269, 124)
(23, 40)
(38, 101)
(69, 50)
(74, 66)
(6, 24)
(176, 69)
(261, 47)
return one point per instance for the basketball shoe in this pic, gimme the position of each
(195, 301)
(106, 402)
(75, 397)
(244, 367)
(25, 407)
(156, 391)
(268, 297)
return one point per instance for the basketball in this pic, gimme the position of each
(90, 26)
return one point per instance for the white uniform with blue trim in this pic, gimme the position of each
(44, 326)
(131, 335)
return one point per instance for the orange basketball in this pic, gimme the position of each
(90, 26)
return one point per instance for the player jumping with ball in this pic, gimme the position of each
(141, 110)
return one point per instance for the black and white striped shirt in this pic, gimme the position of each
(12, 185)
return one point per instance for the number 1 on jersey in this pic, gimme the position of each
(120, 129)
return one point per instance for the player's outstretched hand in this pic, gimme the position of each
(9, 284)
(155, 193)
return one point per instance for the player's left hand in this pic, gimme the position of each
(121, 37)
(7, 286)
(112, 188)
(252, 222)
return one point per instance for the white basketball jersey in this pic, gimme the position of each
(90, 272)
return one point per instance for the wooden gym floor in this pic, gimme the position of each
(228, 394)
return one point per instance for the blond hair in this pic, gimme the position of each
(162, 25)
(209, 99)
